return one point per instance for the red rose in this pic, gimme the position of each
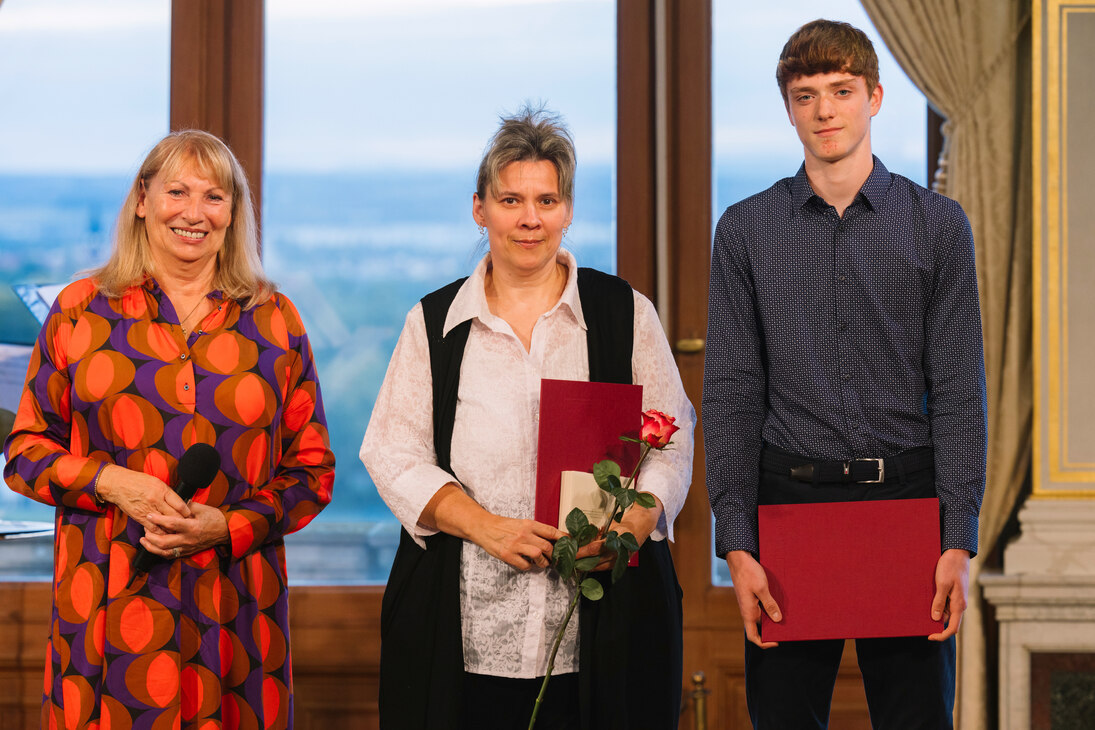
(657, 429)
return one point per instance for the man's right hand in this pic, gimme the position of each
(751, 588)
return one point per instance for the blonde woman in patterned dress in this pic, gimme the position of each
(178, 339)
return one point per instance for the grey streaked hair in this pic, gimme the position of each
(530, 135)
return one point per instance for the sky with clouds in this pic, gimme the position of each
(392, 84)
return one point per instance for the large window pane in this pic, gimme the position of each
(755, 144)
(85, 89)
(377, 113)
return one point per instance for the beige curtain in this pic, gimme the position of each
(971, 59)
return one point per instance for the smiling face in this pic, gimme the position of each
(186, 217)
(524, 217)
(831, 113)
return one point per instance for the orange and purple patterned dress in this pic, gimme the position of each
(201, 642)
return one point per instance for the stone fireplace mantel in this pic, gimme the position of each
(1045, 598)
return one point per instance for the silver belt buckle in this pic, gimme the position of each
(881, 463)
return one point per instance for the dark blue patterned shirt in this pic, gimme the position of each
(838, 338)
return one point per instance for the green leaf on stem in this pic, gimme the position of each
(576, 520)
(628, 541)
(604, 470)
(622, 556)
(645, 499)
(563, 556)
(592, 590)
(612, 541)
(587, 535)
(624, 497)
(587, 564)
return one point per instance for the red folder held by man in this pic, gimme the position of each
(850, 570)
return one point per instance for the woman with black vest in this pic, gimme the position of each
(472, 604)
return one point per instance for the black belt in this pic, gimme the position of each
(850, 471)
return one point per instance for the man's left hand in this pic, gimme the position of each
(952, 583)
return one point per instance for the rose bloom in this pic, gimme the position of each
(657, 429)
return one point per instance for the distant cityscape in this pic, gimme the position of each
(353, 251)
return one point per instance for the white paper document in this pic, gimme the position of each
(579, 489)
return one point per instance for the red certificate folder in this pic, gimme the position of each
(581, 424)
(850, 570)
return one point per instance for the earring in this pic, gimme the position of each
(567, 228)
(482, 230)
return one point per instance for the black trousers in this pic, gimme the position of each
(501, 703)
(909, 681)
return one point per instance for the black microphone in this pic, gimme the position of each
(197, 467)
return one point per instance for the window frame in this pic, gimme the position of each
(664, 203)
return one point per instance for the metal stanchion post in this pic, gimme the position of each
(699, 701)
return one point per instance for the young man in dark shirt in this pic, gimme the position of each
(844, 328)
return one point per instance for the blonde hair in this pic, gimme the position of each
(239, 273)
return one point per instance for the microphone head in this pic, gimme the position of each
(197, 467)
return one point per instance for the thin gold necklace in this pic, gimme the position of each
(182, 322)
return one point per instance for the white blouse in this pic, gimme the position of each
(509, 617)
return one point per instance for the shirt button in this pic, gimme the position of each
(845, 377)
(842, 326)
(182, 356)
(842, 277)
(186, 386)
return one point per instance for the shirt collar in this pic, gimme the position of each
(877, 183)
(873, 190)
(470, 301)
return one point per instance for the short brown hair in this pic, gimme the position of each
(239, 272)
(530, 135)
(827, 46)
